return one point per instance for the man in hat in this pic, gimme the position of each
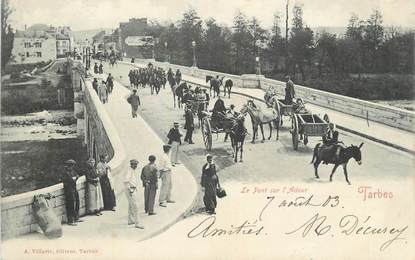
(96, 68)
(134, 101)
(164, 167)
(131, 185)
(149, 178)
(175, 140)
(289, 92)
(110, 83)
(207, 98)
(209, 182)
(69, 178)
(218, 112)
(101, 68)
(189, 124)
(103, 92)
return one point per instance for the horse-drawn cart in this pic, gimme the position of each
(210, 126)
(306, 125)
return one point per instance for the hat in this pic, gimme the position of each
(133, 161)
(91, 160)
(134, 90)
(166, 147)
(176, 123)
(209, 156)
(70, 162)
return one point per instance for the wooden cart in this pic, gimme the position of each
(307, 125)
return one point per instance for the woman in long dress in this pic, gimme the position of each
(209, 183)
(108, 195)
(94, 203)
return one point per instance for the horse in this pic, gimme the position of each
(178, 90)
(237, 134)
(328, 155)
(215, 83)
(259, 117)
(227, 87)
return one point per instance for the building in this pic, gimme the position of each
(33, 46)
(133, 39)
(63, 45)
(41, 42)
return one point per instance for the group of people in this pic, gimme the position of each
(99, 193)
(174, 78)
(104, 89)
(98, 69)
(149, 176)
(154, 77)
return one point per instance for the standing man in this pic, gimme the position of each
(95, 85)
(178, 76)
(289, 92)
(96, 70)
(134, 101)
(101, 68)
(209, 183)
(103, 92)
(110, 83)
(189, 124)
(131, 184)
(164, 167)
(149, 178)
(175, 140)
(69, 178)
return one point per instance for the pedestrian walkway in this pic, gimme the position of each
(139, 141)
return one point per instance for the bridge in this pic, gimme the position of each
(109, 128)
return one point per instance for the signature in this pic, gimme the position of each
(351, 225)
(207, 228)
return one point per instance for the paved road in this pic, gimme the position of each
(272, 160)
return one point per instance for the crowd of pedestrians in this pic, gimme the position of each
(99, 192)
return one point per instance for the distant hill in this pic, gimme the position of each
(88, 34)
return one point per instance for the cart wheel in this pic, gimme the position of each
(305, 140)
(294, 132)
(278, 108)
(207, 133)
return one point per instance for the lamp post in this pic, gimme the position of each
(194, 54)
(167, 54)
(258, 66)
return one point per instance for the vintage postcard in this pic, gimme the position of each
(155, 129)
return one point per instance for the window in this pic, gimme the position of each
(38, 54)
(27, 45)
(38, 44)
(27, 54)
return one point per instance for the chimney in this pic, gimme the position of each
(25, 27)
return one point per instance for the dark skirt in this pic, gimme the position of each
(209, 198)
(108, 195)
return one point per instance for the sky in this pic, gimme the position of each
(96, 14)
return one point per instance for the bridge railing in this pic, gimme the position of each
(17, 216)
(387, 115)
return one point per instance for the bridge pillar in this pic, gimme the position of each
(78, 85)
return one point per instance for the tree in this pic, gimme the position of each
(326, 49)
(7, 35)
(215, 47)
(276, 49)
(373, 38)
(242, 56)
(190, 29)
(301, 42)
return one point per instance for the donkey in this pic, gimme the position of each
(337, 155)
(237, 134)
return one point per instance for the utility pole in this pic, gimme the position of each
(286, 37)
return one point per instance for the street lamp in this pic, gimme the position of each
(167, 55)
(258, 66)
(194, 53)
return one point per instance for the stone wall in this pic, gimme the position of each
(16, 211)
(387, 115)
